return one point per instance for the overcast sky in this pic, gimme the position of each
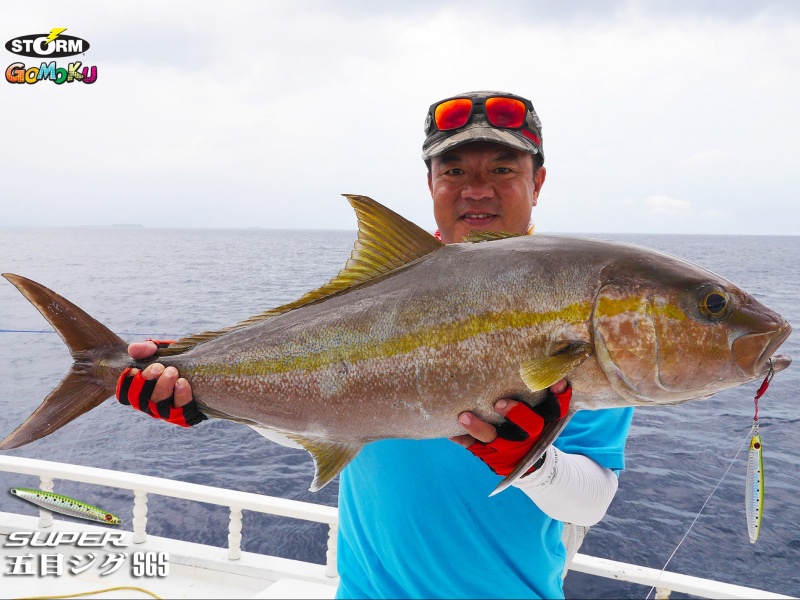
(674, 117)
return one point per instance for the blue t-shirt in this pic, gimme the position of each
(416, 519)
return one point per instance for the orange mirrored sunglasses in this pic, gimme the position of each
(507, 112)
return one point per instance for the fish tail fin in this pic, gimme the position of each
(82, 389)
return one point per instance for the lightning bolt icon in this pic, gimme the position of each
(54, 33)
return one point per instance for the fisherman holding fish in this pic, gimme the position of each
(415, 516)
(417, 339)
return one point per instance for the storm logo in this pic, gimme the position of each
(47, 45)
(51, 45)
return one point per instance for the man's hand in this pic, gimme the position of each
(502, 448)
(157, 391)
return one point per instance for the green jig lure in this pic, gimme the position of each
(66, 505)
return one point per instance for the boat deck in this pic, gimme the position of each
(194, 570)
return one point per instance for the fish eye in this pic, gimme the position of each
(714, 303)
(109, 517)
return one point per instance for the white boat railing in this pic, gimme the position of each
(141, 485)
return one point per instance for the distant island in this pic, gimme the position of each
(128, 225)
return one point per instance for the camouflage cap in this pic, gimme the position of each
(478, 129)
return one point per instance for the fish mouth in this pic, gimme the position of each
(779, 363)
(753, 353)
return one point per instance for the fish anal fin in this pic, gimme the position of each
(541, 373)
(329, 457)
(549, 434)
(386, 241)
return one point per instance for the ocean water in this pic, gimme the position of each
(171, 282)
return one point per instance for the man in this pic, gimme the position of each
(416, 519)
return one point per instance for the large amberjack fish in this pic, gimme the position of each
(411, 333)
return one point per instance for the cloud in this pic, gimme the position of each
(561, 13)
(664, 205)
(262, 113)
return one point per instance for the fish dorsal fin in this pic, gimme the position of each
(541, 373)
(329, 457)
(386, 241)
(489, 236)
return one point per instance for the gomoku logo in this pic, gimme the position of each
(49, 45)
(44, 45)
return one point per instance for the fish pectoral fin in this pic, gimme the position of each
(329, 457)
(550, 433)
(541, 373)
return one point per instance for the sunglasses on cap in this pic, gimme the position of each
(506, 112)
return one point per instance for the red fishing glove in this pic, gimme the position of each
(519, 433)
(161, 343)
(135, 391)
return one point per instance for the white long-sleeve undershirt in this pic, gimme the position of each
(570, 487)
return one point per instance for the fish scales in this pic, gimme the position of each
(411, 333)
(373, 338)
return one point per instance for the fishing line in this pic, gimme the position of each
(136, 333)
(760, 392)
(688, 531)
(69, 454)
(86, 422)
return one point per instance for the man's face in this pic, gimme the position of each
(483, 186)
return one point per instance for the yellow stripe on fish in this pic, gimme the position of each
(352, 348)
